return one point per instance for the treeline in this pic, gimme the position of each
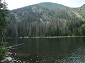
(44, 20)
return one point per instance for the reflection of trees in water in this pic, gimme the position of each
(49, 50)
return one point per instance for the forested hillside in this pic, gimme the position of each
(46, 19)
(81, 11)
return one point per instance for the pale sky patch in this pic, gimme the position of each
(13, 4)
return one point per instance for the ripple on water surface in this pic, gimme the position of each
(76, 57)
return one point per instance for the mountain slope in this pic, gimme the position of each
(44, 19)
(81, 11)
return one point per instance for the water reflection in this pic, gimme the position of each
(55, 50)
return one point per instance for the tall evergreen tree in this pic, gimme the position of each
(3, 25)
(3, 18)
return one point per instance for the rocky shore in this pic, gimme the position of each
(11, 55)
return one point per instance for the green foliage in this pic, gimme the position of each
(3, 51)
(82, 30)
(3, 17)
(3, 25)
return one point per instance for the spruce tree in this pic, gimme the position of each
(3, 25)
(3, 19)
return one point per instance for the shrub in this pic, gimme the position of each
(3, 51)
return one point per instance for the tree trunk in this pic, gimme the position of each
(2, 39)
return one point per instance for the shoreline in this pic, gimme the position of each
(56, 37)
(10, 56)
(47, 37)
(65, 37)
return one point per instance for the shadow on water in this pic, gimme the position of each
(50, 50)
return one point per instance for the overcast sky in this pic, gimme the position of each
(13, 4)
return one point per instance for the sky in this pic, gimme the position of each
(13, 4)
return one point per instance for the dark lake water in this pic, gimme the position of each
(50, 50)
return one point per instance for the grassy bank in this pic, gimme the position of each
(63, 36)
(58, 37)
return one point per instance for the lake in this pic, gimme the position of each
(50, 50)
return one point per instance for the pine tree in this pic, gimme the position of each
(3, 25)
(3, 18)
